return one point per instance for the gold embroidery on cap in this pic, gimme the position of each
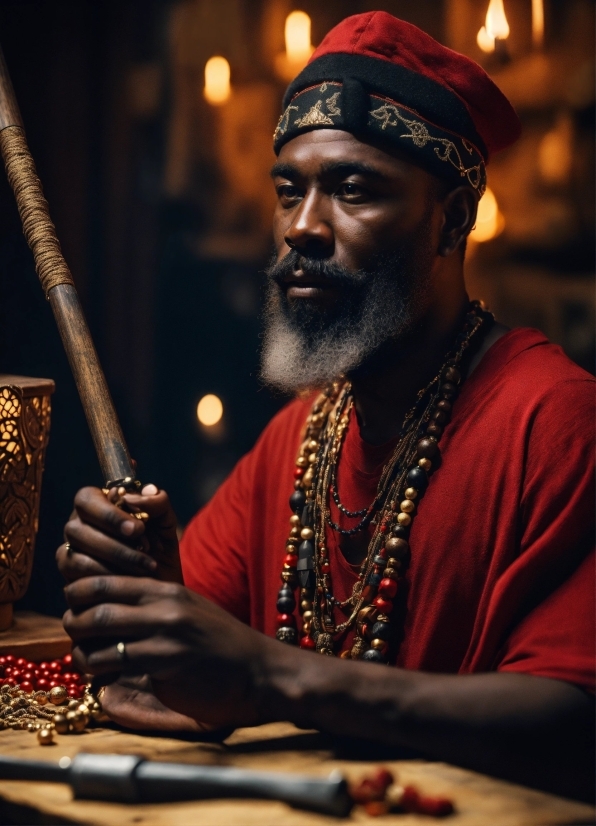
(314, 117)
(282, 124)
(389, 115)
(332, 106)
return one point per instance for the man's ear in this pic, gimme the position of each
(459, 215)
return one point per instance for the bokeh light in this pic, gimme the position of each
(217, 80)
(209, 410)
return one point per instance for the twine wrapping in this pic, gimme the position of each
(38, 228)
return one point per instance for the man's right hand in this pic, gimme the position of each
(102, 538)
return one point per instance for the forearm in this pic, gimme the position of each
(530, 729)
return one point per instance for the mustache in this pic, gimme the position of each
(319, 268)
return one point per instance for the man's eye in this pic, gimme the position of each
(287, 192)
(351, 191)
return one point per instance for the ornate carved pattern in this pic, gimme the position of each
(24, 432)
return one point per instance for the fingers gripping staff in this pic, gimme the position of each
(56, 280)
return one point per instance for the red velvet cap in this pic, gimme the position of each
(377, 76)
(379, 34)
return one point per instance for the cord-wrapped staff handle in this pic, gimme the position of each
(60, 291)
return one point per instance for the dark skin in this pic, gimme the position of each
(207, 669)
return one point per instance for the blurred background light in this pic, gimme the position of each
(489, 221)
(537, 23)
(297, 37)
(209, 410)
(298, 46)
(555, 151)
(495, 26)
(217, 80)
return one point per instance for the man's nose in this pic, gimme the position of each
(311, 229)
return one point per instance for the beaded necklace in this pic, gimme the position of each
(403, 481)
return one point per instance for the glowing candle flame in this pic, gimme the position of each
(297, 37)
(209, 410)
(217, 80)
(495, 26)
(489, 221)
(538, 23)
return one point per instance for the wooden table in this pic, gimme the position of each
(480, 800)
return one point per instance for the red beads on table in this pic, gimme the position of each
(44, 676)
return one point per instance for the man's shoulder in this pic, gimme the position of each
(526, 364)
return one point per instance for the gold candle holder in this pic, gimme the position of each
(24, 431)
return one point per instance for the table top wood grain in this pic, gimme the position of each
(479, 800)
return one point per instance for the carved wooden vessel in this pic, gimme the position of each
(24, 432)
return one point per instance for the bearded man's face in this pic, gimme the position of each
(354, 233)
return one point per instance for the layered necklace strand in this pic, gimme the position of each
(403, 481)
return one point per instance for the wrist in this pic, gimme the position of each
(280, 684)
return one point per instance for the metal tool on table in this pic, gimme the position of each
(129, 779)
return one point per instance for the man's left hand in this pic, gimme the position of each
(203, 662)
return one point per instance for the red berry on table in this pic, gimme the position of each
(410, 799)
(27, 676)
(67, 659)
(15, 674)
(73, 691)
(9, 681)
(382, 777)
(10, 659)
(56, 666)
(44, 666)
(2, 660)
(42, 684)
(21, 662)
(27, 686)
(53, 684)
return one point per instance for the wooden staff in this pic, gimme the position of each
(60, 291)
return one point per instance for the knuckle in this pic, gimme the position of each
(67, 621)
(102, 616)
(172, 591)
(84, 497)
(101, 587)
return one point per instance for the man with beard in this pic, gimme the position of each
(436, 465)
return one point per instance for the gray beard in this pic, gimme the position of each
(306, 347)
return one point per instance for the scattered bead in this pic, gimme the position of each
(45, 737)
(58, 695)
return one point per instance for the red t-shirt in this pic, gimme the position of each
(502, 568)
